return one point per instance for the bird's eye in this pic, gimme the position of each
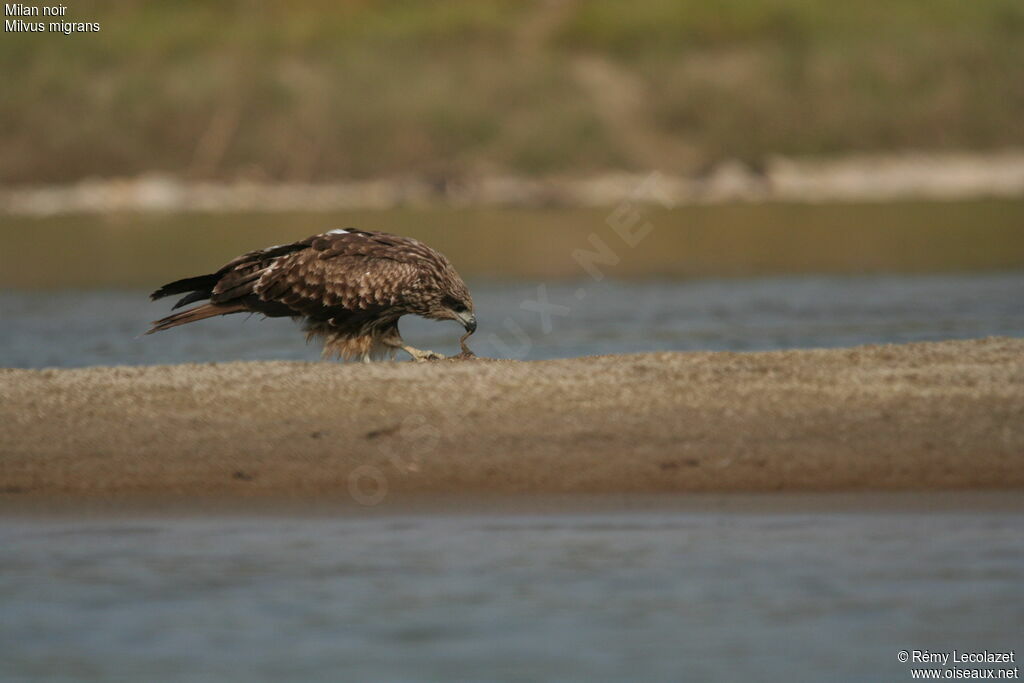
(454, 304)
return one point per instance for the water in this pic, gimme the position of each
(125, 249)
(66, 328)
(719, 588)
(687, 588)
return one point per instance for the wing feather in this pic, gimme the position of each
(353, 271)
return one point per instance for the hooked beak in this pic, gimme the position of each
(468, 321)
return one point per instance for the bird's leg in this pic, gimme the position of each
(420, 356)
(394, 340)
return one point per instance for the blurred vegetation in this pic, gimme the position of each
(361, 88)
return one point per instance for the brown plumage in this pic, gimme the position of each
(349, 287)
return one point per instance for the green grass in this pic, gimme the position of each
(356, 89)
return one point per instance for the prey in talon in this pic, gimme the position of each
(348, 287)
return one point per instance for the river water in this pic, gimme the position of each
(704, 588)
(537, 320)
(683, 588)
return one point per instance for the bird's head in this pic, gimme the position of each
(455, 303)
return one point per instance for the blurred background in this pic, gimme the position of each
(804, 174)
(368, 89)
(610, 177)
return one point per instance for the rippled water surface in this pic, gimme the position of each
(713, 590)
(535, 320)
(704, 591)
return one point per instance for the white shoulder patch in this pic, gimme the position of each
(339, 231)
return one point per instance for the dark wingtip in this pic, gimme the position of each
(166, 290)
(189, 284)
(191, 298)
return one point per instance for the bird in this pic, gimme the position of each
(349, 287)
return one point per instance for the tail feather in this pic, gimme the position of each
(194, 314)
(189, 284)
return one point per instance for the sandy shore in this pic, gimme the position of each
(920, 416)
